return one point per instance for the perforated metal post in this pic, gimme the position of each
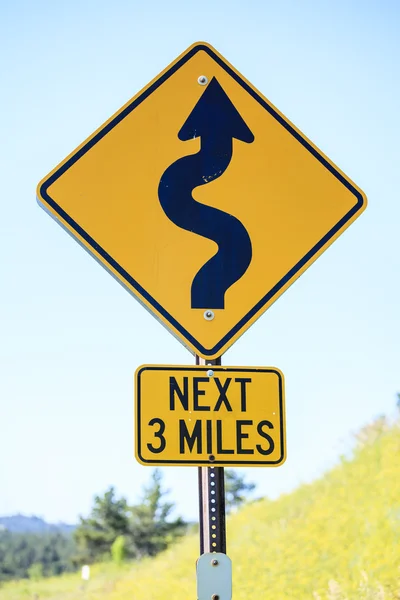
(211, 499)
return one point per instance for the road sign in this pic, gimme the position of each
(202, 199)
(218, 416)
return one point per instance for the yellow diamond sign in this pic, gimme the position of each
(202, 199)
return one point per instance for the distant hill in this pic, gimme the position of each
(23, 524)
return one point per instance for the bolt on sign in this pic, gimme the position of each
(202, 415)
(202, 199)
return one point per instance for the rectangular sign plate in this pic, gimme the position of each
(210, 415)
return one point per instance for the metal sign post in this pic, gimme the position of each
(211, 499)
(214, 567)
(212, 509)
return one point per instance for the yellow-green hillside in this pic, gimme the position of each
(335, 539)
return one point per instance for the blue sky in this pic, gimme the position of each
(72, 337)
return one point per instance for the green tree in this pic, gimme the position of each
(151, 530)
(108, 519)
(113, 526)
(236, 489)
(35, 554)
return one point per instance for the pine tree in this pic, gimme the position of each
(145, 529)
(150, 529)
(108, 519)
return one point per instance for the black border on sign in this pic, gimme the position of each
(216, 369)
(126, 277)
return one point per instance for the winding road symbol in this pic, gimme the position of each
(217, 122)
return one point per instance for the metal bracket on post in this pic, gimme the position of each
(214, 577)
(213, 583)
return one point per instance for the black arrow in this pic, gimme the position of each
(216, 121)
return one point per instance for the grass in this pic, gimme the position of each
(335, 539)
